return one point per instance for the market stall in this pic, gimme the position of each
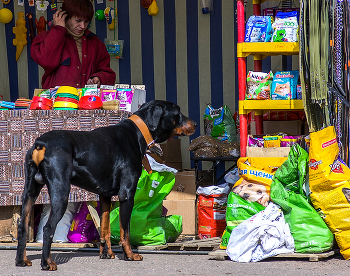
(18, 130)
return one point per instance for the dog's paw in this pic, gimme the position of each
(107, 256)
(23, 263)
(134, 257)
(52, 266)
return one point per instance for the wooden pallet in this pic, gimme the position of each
(313, 257)
(54, 244)
(193, 245)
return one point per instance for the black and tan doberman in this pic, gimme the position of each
(106, 161)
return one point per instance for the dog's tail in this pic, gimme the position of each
(38, 153)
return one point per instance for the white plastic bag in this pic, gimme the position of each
(62, 226)
(264, 235)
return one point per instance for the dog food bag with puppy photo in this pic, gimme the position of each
(237, 211)
(329, 185)
(251, 193)
(258, 85)
(290, 191)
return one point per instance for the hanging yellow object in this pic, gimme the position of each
(110, 15)
(5, 15)
(153, 8)
(20, 32)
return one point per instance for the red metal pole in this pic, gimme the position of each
(256, 8)
(242, 72)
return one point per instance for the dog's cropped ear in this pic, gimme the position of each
(153, 117)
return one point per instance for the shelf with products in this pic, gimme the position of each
(259, 50)
(265, 49)
(246, 106)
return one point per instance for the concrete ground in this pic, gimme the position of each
(88, 263)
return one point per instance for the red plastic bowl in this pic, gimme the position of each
(90, 102)
(41, 103)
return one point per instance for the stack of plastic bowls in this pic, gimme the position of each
(40, 103)
(66, 98)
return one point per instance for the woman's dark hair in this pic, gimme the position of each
(80, 8)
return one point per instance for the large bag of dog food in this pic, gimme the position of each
(83, 228)
(289, 191)
(237, 211)
(211, 210)
(329, 186)
(219, 124)
(147, 227)
(251, 193)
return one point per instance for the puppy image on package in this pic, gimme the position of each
(252, 191)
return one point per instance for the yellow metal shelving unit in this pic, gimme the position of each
(259, 50)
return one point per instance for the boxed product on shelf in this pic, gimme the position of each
(294, 127)
(259, 85)
(125, 96)
(268, 152)
(258, 29)
(284, 85)
(285, 27)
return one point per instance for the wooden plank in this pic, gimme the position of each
(152, 247)
(54, 244)
(95, 216)
(313, 257)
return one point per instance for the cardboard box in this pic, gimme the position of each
(37, 91)
(184, 187)
(294, 127)
(171, 154)
(268, 152)
(175, 165)
(172, 150)
(186, 209)
(9, 219)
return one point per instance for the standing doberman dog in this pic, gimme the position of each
(106, 161)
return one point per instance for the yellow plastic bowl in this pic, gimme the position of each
(65, 104)
(68, 89)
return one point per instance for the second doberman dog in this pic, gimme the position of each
(106, 161)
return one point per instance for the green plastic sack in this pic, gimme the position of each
(310, 233)
(237, 211)
(147, 226)
(172, 227)
(219, 123)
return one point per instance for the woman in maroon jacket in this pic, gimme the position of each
(69, 53)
